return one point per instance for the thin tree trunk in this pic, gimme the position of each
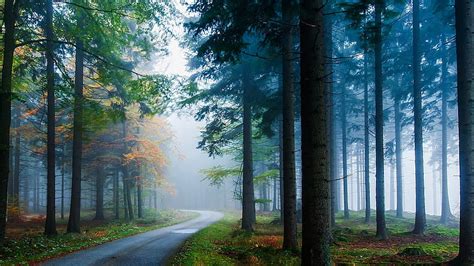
(420, 216)
(63, 155)
(50, 225)
(16, 170)
(248, 197)
(445, 206)
(139, 200)
(392, 186)
(465, 63)
(289, 175)
(315, 179)
(358, 154)
(116, 194)
(10, 12)
(73, 225)
(366, 139)
(398, 156)
(379, 142)
(99, 190)
(344, 152)
(126, 175)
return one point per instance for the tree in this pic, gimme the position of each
(50, 225)
(10, 12)
(315, 180)
(465, 49)
(289, 175)
(379, 142)
(73, 225)
(420, 216)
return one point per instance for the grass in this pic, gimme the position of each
(28, 246)
(224, 243)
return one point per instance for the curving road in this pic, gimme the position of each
(150, 248)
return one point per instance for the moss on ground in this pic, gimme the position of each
(224, 243)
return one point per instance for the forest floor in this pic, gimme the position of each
(26, 244)
(224, 243)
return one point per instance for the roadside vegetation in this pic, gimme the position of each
(354, 241)
(27, 244)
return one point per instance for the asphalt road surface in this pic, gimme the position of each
(150, 248)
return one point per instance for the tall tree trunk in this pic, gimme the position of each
(435, 192)
(99, 190)
(248, 197)
(116, 194)
(315, 185)
(328, 40)
(73, 225)
(126, 174)
(280, 168)
(366, 139)
(63, 157)
(344, 152)
(50, 225)
(289, 175)
(139, 199)
(359, 159)
(420, 216)
(398, 156)
(465, 64)
(379, 149)
(445, 207)
(16, 170)
(10, 12)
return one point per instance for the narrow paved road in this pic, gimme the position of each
(150, 248)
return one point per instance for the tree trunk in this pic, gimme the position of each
(398, 156)
(248, 197)
(139, 199)
(379, 142)
(315, 179)
(126, 175)
(16, 170)
(63, 156)
(99, 190)
(73, 225)
(445, 206)
(289, 175)
(366, 139)
(465, 63)
(10, 12)
(420, 216)
(116, 194)
(50, 225)
(344, 152)
(359, 155)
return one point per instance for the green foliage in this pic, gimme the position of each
(216, 175)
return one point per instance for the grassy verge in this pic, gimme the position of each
(33, 246)
(223, 243)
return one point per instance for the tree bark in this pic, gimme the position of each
(73, 225)
(289, 175)
(398, 156)
(116, 194)
(420, 216)
(344, 152)
(465, 63)
(379, 142)
(99, 197)
(10, 13)
(314, 149)
(248, 197)
(50, 225)
(366, 139)
(16, 170)
(445, 206)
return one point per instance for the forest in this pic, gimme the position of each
(236, 132)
